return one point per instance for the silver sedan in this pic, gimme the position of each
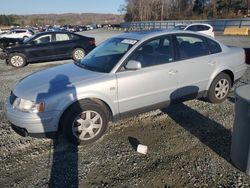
(126, 75)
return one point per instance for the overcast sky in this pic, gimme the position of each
(59, 6)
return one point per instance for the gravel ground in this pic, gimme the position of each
(188, 145)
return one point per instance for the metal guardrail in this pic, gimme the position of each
(218, 24)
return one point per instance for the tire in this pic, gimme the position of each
(25, 37)
(78, 54)
(220, 88)
(17, 60)
(84, 122)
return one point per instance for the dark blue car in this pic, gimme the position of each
(54, 45)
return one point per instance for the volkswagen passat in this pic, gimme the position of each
(126, 75)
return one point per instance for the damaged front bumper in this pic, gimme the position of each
(3, 55)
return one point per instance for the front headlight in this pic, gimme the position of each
(28, 106)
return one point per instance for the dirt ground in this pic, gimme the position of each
(188, 145)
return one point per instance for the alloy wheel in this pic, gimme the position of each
(222, 89)
(17, 61)
(87, 125)
(79, 54)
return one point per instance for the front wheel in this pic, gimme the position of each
(220, 88)
(17, 60)
(78, 54)
(25, 37)
(84, 122)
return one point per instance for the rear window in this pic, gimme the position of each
(214, 47)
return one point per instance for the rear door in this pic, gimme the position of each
(195, 64)
(63, 45)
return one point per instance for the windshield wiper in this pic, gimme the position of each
(82, 65)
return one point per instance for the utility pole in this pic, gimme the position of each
(247, 8)
(162, 9)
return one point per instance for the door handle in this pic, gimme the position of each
(172, 71)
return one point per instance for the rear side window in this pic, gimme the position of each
(203, 28)
(19, 31)
(192, 28)
(214, 47)
(191, 46)
(62, 37)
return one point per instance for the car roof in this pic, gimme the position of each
(152, 33)
(51, 32)
(199, 24)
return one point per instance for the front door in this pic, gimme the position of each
(40, 48)
(155, 83)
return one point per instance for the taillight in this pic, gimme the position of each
(245, 56)
(92, 42)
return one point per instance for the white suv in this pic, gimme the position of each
(18, 33)
(201, 28)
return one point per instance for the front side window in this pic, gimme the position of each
(105, 56)
(191, 46)
(43, 39)
(154, 52)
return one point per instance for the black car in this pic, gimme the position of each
(46, 46)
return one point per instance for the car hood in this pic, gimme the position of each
(54, 80)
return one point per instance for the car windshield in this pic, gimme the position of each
(105, 56)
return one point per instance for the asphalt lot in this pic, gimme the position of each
(188, 144)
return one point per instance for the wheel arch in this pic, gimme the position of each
(78, 46)
(96, 100)
(226, 71)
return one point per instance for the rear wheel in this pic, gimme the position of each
(219, 88)
(84, 122)
(78, 54)
(17, 60)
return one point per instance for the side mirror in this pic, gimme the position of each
(133, 65)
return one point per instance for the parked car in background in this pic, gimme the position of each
(18, 33)
(128, 74)
(201, 28)
(48, 46)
